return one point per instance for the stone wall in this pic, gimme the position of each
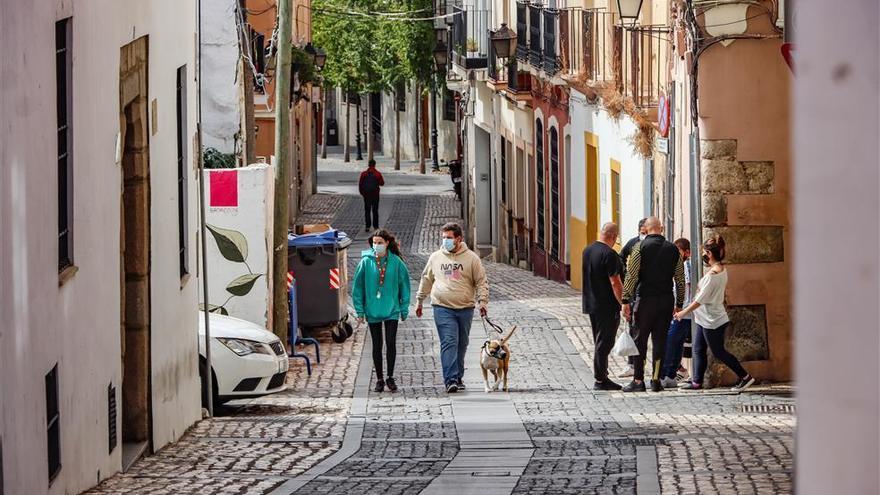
(749, 184)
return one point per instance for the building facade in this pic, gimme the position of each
(732, 166)
(98, 345)
(680, 113)
(305, 97)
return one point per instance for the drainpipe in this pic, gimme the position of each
(209, 381)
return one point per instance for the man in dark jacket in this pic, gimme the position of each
(368, 185)
(652, 268)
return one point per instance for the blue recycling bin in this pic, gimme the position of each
(318, 263)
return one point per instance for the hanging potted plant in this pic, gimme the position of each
(472, 47)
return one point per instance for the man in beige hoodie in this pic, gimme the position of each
(455, 279)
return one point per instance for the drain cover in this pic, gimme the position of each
(768, 408)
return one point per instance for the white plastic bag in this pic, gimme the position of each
(625, 346)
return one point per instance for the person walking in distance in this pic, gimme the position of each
(369, 184)
(652, 268)
(381, 295)
(454, 278)
(679, 330)
(601, 298)
(712, 320)
(624, 257)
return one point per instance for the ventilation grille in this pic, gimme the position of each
(53, 424)
(768, 408)
(111, 417)
(277, 380)
(277, 348)
(247, 385)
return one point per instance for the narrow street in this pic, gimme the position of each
(551, 434)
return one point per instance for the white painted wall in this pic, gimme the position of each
(836, 121)
(408, 126)
(77, 325)
(221, 115)
(613, 144)
(446, 133)
(253, 219)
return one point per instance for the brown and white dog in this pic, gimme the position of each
(495, 357)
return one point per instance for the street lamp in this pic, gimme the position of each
(504, 42)
(320, 58)
(441, 58)
(318, 55)
(629, 10)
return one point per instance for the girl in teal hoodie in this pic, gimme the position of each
(380, 294)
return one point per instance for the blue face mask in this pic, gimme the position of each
(380, 249)
(448, 244)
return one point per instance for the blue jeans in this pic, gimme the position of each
(453, 328)
(678, 331)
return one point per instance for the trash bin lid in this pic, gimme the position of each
(330, 237)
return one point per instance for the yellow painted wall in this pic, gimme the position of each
(578, 234)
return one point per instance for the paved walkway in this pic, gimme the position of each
(551, 434)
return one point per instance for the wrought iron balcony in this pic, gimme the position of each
(536, 53)
(551, 28)
(470, 44)
(522, 30)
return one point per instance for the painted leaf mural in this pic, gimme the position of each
(213, 308)
(242, 285)
(231, 243)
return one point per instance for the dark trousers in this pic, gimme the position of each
(631, 360)
(714, 337)
(678, 332)
(652, 321)
(371, 211)
(390, 346)
(604, 332)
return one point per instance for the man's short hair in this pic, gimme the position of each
(683, 244)
(610, 228)
(371, 163)
(642, 222)
(452, 227)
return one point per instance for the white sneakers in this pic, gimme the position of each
(628, 372)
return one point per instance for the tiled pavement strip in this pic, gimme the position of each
(550, 434)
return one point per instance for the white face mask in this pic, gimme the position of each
(380, 249)
(448, 244)
(642, 237)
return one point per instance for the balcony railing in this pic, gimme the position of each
(536, 53)
(518, 82)
(470, 45)
(522, 30)
(645, 51)
(551, 25)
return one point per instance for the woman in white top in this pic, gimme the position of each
(711, 319)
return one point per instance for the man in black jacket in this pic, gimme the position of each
(654, 268)
(624, 256)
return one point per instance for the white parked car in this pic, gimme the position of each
(247, 360)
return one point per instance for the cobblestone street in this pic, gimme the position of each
(551, 434)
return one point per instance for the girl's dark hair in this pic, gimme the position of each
(393, 247)
(715, 245)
